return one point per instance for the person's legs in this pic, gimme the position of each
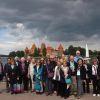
(11, 86)
(7, 85)
(32, 83)
(25, 81)
(41, 91)
(87, 85)
(94, 86)
(98, 87)
(0, 90)
(47, 87)
(84, 88)
(61, 89)
(58, 88)
(73, 86)
(79, 87)
(50, 86)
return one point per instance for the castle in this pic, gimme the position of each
(49, 50)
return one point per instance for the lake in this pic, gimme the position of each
(4, 60)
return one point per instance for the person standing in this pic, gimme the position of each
(81, 77)
(53, 63)
(13, 76)
(1, 71)
(73, 66)
(98, 80)
(38, 77)
(68, 80)
(31, 73)
(49, 78)
(96, 77)
(23, 80)
(6, 67)
(78, 55)
(57, 78)
(88, 68)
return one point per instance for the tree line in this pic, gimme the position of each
(71, 50)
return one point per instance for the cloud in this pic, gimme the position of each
(23, 22)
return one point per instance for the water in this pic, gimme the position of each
(4, 60)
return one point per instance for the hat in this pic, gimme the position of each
(86, 58)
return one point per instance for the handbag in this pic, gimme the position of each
(68, 81)
(50, 74)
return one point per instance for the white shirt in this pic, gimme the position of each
(12, 66)
(37, 68)
(94, 69)
(56, 73)
(31, 69)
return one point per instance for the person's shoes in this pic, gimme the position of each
(65, 97)
(12, 93)
(58, 94)
(78, 97)
(55, 92)
(94, 95)
(47, 94)
(7, 91)
(32, 91)
(25, 91)
(50, 94)
(98, 95)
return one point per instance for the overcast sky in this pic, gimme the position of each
(23, 22)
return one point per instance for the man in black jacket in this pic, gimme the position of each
(88, 68)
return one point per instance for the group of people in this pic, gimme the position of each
(64, 76)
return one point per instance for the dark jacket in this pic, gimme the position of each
(6, 68)
(89, 71)
(62, 76)
(72, 73)
(2, 72)
(47, 68)
(53, 64)
(82, 72)
(13, 74)
(25, 72)
(98, 71)
(44, 74)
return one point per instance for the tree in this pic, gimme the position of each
(12, 54)
(36, 52)
(66, 52)
(22, 53)
(17, 53)
(71, 50)
(44, 52)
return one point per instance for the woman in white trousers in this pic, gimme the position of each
(31, 73)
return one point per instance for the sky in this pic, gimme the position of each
(70, 22)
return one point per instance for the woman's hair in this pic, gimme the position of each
(95, 60)
(12, 61)
(81, 60)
